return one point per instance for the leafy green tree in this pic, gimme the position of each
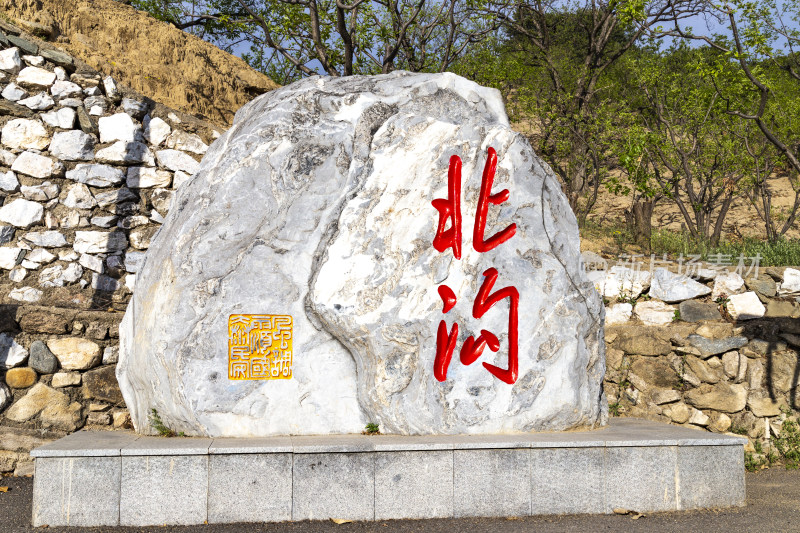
(704, 166)
(757, 77)
(571, 50)
(289, 39)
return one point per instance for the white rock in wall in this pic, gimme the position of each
(73, 145)
(322, 193)
(130, 153)
(727, 283)
(110, 86)
(40, 255)
(104, 221)
(155, 130)
(71, 102)
(68, 255)
(14, 92)
(79, 197)
(34, 61)
(94, 242)
(96, 175)
(11, 353)
(623, 281)
(119, 127)
(133, 107)
(40, 193)
(8, 181)
(10, 60)
(36, 77)
(745, 306)
(46, 239)
(52, 277)
(21, 213)
(188, 142)
(618, 314)
(654, 312)
(133, 261)
(133, 222)
(179, 179)
(9, 257)
(7, 158)
(161, 199)
(38, 102)
(5, 397)
(60, 73)
(670, 287)
(23, 133)
(91, 262)
(17, 274)
(62, 118)
(26, 294)
(36, 165)
(72, 273)
(110, 198)
(65, 89)
(145, 177)
(175, 160)
(791, 281)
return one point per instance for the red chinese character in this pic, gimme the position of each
(483, 303)
(484, 200)
(450, 209)
(445, 344)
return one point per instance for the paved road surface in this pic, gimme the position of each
(773, 505)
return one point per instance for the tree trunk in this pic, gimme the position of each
(639, 219)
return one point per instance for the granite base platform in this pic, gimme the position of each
(119, 478)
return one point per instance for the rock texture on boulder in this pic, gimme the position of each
(317, 204)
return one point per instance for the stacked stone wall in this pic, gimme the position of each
(87, 173)
(717, 350)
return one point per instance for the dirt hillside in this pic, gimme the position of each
(151, 57)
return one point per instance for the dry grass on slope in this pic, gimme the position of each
(151, 57)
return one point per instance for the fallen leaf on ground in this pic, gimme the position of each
(620, 510)
(637, 516)
(4, 489)
(340, 521)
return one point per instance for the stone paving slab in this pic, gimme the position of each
(632, 464)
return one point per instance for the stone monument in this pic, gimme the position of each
(366, 250)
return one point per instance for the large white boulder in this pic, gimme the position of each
(317, 204)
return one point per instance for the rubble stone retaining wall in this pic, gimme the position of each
(87, 173)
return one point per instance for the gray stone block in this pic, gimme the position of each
(396, 443)
(164, 490)
(640, 479)
(256, 445)
(161, 446)
(333, 485)
(87, 444)
(492, 442)
(567, 480)
(79, 491)
(710, 476)
(332, 444)
(413, 484)
(249, 488)
(492, 482)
